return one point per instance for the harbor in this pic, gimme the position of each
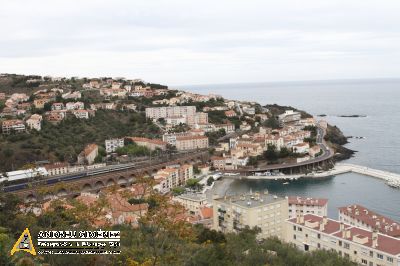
(391, 179)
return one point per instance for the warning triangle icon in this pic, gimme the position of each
(24, 243)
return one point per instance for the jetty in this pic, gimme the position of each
(390, 178)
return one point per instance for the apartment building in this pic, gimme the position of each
(302, 206)
(113, 144)
(268, 212)
(289, 116)
(13, 126)
(191, 143)
(35, 122)
(192, 202)
(364, 247)
(166, 179)
(173, 176)
(200, 118)
(360, 216)
(188, 112)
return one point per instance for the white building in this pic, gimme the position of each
(113, 144)
(364, 247)
(188, 112)
(360, 216)
(35, 122)
(288, 116)
(268, 212)
(302, 206)
(192, 202)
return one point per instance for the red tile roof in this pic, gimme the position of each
(374, 220)
(385, 243)
(307, 201)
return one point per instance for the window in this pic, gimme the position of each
(294, 227)
(355, 252)
(364, 261)
(319, 245)
(346, 245)
(300, 229)
(319, 236)
(294, 236)
(340, 243)
(379, 256)
(389, 259)
(371, 254)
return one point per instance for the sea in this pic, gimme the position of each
(375, 136)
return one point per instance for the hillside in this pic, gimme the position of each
(67, 139)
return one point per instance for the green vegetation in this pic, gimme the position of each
(217, 117)
(214, 136)
(178, 191)
(194, 184)
(133, 150)
(159, 239)
(63, 142)
(210, 103)
(210, 180)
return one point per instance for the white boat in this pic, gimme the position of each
(286, 183)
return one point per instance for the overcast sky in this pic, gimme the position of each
(201, 42)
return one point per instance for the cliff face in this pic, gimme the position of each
(334, 136)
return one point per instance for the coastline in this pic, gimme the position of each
(222, 186)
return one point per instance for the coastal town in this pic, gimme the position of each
(178, 145)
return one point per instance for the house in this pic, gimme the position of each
(57, 106)
(19, 97)
(88, 154)
(35, 122)
(39, 103)
(72, 95)
(13, 126)
(55, 117)
(57, 168)
(303, 147)
(81, 114)
(230, 113)
(75, 106)
(122, 212)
